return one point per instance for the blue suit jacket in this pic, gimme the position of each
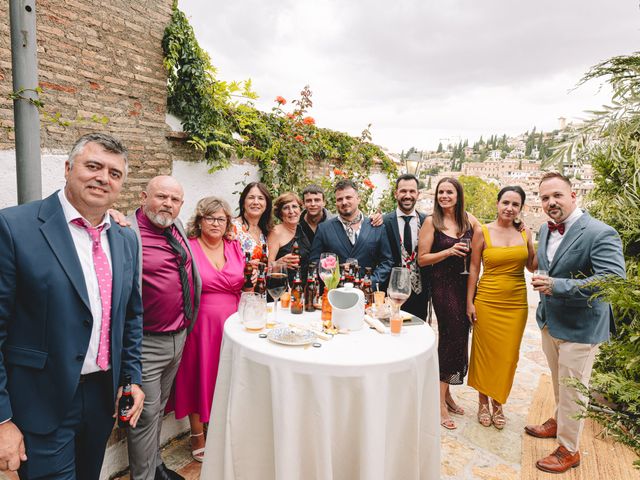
(371, 248)
(589, 250)
(45, 319)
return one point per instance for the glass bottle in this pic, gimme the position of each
(310, 294)
(248, 272)
(297, 295)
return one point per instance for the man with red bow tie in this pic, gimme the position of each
(575, 249)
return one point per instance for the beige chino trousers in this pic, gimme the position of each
(568, 360)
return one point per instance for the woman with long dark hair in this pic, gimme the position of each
(254, 223)
(499, 308)
(441, 244)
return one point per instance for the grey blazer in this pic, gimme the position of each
(589, 250)
(197, 281)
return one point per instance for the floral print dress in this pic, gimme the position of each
(247, 242)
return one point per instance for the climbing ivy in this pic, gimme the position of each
(221, 121)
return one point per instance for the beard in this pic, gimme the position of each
(162, 220)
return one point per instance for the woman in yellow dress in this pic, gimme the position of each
(498, 309)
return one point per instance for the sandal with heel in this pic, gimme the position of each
(454, 408)
(498, 418)
(198, 453)
(484, 417)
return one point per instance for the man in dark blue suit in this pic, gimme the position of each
(70, 319)
(350, 235)
(403, 225)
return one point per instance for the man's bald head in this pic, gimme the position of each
(161, 200)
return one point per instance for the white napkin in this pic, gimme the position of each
(375, 323)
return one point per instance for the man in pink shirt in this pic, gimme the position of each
(170, 287)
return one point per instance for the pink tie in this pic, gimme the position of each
(103, 272)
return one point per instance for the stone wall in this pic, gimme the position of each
(98, 59)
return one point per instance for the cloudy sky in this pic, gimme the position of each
(418, 70)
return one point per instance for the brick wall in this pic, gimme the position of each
(99, 59)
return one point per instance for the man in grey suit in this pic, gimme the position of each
(170, 287)
(575, 249)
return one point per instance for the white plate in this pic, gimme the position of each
(291, 336)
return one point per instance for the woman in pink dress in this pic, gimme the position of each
(221, 265)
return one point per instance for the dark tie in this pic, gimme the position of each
(406, 239)
(556, 226)
(182, 270)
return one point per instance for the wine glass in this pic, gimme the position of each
(328, 266)
(277, 283)
(398, 292)
(467, 243)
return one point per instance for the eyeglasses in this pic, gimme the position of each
(215, 220)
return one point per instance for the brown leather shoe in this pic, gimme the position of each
(559, 461)
(548, 429)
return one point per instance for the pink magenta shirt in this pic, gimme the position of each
(161, 290)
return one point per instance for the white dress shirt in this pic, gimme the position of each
(84, 249)
(555, 238)
(413, 223)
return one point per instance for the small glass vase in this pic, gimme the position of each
(326, 311)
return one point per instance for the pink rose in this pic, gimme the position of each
(328, 263)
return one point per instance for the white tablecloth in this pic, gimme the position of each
(362, 406)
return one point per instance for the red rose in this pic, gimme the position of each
(299, 138)
(290, 116)
(280, 100)
(309, 121)
(368, 183)
(337, 171)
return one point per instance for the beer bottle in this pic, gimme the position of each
(310, 294)
(357, 281)
(367, 289)
(264, 257)
(125, 403)
(261, 282)
(248, 272)
(297, 295)
(317, 300)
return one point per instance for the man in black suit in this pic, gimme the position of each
(402, 227)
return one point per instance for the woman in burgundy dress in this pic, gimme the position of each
(441, 245)
(221, 265)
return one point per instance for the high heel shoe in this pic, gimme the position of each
(198, 453)
(498, 419)
(454, 408)
(484, 417)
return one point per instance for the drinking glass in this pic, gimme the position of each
(277, 283)
(245, 298)
(328, 265)
(254, 312)
(398, 292)
(467, 244)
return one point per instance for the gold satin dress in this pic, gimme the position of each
(501, 309)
